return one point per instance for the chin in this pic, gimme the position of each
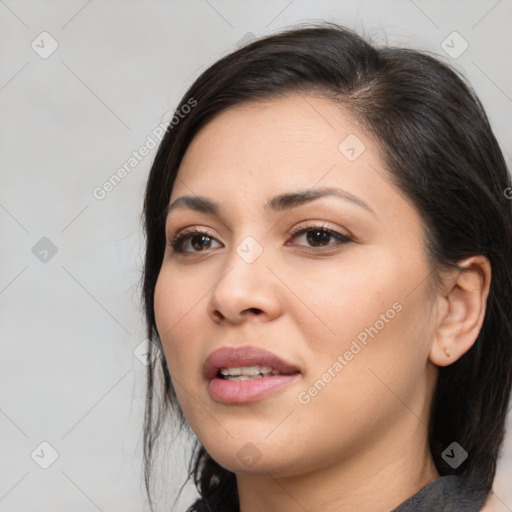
(243, 456)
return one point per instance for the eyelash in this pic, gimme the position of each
(302, 229)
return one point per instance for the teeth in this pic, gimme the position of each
(247, 372)
(243, 377)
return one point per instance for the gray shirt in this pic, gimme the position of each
(446, 494)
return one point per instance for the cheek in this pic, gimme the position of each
(379, 359)
(177, 305)
(359, 390)
(376, 318)
(343, 301)
(166, 304)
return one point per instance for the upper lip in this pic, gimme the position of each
(236, 357)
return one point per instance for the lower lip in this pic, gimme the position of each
(242, 391)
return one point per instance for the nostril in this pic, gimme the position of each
(218, 315)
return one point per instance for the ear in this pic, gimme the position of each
(461, 306)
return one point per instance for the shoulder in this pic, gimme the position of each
(491, 504)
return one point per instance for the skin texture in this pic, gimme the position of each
(361, 442)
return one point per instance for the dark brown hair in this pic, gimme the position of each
(440, 151)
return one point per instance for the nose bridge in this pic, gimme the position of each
(249, 249)
(246, 283)
(245, 265)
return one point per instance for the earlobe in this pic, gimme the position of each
(461, 310)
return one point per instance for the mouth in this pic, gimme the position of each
(246, 374)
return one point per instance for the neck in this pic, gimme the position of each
(378, 479)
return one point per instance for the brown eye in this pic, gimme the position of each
(200, 242)
(193, 241)
(320, 237)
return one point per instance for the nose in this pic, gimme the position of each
(245, 290)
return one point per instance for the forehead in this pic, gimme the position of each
(296, 139)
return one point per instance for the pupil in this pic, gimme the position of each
(204, 241)
(316, 237)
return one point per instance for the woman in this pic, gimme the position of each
(327, 275)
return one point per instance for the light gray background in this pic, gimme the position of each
(69, 121)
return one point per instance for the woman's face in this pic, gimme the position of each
(345, 302)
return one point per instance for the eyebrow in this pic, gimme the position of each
(278, 203)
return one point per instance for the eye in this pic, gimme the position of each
(193, 240)
(319, 236)
(196, 240)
